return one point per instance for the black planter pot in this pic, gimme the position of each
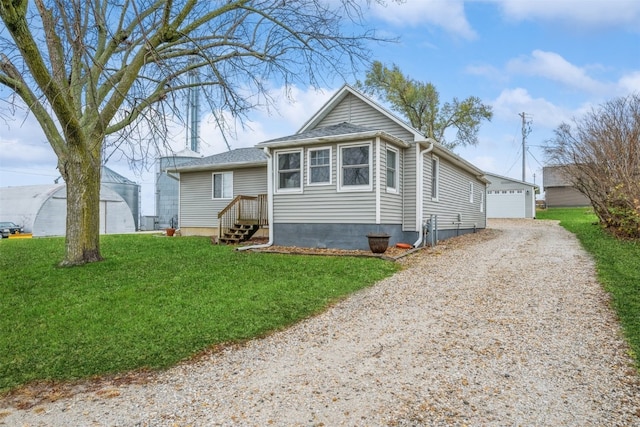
(378, 242)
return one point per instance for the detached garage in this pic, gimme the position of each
(510, 198)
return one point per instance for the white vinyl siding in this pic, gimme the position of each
(222, 185)
(408, 191)
(391, 200)
(320, 204)
(288, 171)
(453, 198)
(319, 162)
(355, 111)
(198, 209)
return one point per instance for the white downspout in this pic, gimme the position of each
(269, 204)
(420, 192)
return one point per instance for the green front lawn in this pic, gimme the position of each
(617, 263)
(153, 302)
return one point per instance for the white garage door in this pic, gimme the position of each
(506, 204)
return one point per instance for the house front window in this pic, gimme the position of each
(289, 173)
(223, 185)
(355, 167)
(392, 170)
(435, 178)
(471, 192)
(319, 166)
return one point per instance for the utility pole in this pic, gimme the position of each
(526, 130)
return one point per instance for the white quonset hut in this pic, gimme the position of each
(510, 198)
(42, 209)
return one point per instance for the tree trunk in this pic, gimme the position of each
(81, 172)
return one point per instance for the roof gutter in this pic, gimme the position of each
(267, 152)
(420, 190)
(335, 138)
(223, 166)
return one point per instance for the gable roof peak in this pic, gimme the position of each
(342, 93)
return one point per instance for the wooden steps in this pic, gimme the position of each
(240, 232)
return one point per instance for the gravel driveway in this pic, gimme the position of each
(504, 327)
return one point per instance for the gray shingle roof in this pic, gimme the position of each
(237, 156)
(327, 131)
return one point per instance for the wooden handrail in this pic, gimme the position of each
(251, 209)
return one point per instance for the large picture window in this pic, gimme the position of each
(223, 185)
(289, 173)
(319, 166)
(392, 170)
(355, 167)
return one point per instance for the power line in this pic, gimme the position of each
(534, 158)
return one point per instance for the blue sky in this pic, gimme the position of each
(551, 59)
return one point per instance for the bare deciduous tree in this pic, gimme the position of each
(93, 71)
(601, 153)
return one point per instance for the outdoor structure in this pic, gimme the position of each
(353, 169)
(510, 198)
(42, 209)
(558, 190)
(127, 189)
(167, 188)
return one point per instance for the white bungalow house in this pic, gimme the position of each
(353, 168)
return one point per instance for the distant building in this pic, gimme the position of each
(510, 198)
(558, 189)
(127, 189)
(42, 209)
(167, 188)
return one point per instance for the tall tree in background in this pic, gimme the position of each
(98, 72)
(420, 103)
(601, 158)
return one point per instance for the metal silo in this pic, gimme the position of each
(127, 189)
(167, 188)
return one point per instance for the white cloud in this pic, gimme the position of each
(578, 13)
(446, 14)
(22, 143)
(552, 66)
(630, 83)
(488, 71)
(511, 102)
(291, 110)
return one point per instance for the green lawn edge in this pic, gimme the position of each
(617, 264)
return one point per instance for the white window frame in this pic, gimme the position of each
(339, 169)
(225, 176)
(482, 201)
(310, 166)
(435, 178)
(276, 170)
(396, 167)
(470, 192)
